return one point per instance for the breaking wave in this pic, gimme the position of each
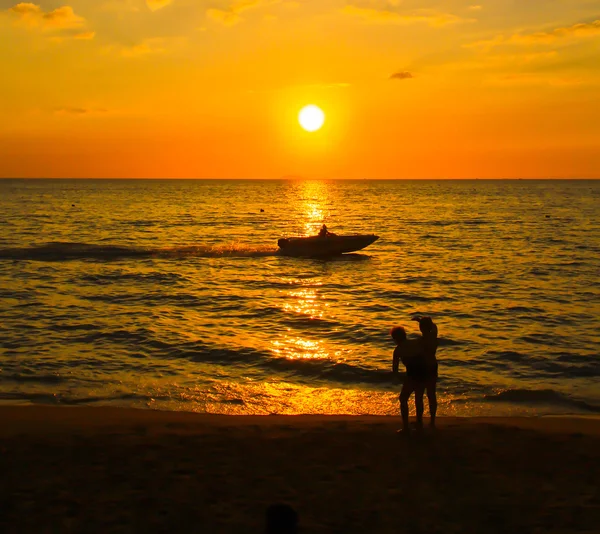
(541, 396)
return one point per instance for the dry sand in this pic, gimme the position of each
(74, 469)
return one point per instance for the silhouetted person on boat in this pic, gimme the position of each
(281, 519)
(418, 355)
(323, 232)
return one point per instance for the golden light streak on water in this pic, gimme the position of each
(315, 197)
(307, 302)
(286, 398)
(298, 348)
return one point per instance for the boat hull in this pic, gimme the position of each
(315, 246)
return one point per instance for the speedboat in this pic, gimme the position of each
(327, 245)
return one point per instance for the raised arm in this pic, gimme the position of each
(430, 342)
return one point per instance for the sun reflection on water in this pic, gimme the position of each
(303, 300)
(298, 348)
(306, 301)
(315, 197)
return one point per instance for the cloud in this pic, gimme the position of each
(402, 75)
(527, 78)
(148, 47)
(62, 22)
(33, 16)
(577, 31)
(228, 18)
(82, 36)
(231, 15)
(391, 16)
(521, 58)
(79, 112)
(475, 8)
(326, 85)
(155, 5)
(145, 48)
(121, 6)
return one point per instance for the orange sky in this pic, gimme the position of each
(212, 89)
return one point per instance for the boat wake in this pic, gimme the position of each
(63, 251)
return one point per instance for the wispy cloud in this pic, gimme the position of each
(152, 46)
(527, 78)
(79, 112)
(144, 48)
(231, 15)
(402, 75)
(226, 17)
(121, 6)
(322, 85)
(389, 14)
(33, 16)
(83, 36)
(328, 85)
(577, 31)
(155, 5)
(521, 58)
(61, 22)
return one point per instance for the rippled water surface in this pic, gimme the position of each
(171, 294)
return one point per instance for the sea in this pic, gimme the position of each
(172, 294)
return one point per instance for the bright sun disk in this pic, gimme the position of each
(311, 118)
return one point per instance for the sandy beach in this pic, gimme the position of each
(82, 469)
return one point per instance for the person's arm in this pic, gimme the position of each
(396, 360)
(431, 344)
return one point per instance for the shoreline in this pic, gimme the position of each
(104, 415)
(20, 416)
(106, 469)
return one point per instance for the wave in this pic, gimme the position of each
(71, 400)
(560, 364)
(63, 251)
(37, 378)
(540, 396)
(111, 278)
(462, 222)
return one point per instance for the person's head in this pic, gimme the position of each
(398, 334)
(425, 325)
(281, 519)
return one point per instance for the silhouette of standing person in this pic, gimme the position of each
(418, 356)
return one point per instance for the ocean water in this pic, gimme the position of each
(171, 294)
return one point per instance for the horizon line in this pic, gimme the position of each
(292, 178)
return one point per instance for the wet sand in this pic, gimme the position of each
(82, 469)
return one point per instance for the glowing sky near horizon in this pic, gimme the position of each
(212, 89)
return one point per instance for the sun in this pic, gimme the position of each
(311, 118)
